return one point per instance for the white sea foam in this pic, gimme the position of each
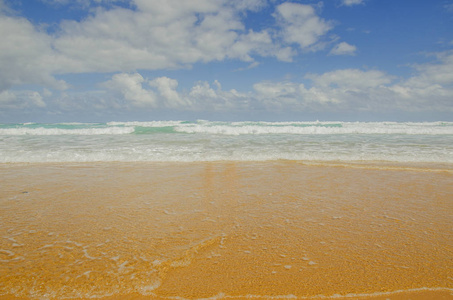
(61, 131)
(219, 141)
(68, 156)
(324, 128)
(234, 128)
(346, 296)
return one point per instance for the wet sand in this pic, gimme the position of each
(226, 230)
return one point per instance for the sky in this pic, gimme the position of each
(232, 60)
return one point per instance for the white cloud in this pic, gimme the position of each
(202, 90)
(170, 10)
(7, 99)
(352, 79)
(84, 103)
(250, 66)
(155, 35)
(26, 55)
(36, 99)
(433, 84)
(301, 25)
(440, 72)
(258, 42)
(129, 86)
(343, 48)
(252, 5)
(279, 96)
(346, 90)
(352, 90)
(206, 98)
(173, 34)
(167, 90)
(21, 99)
(352, 2)
(161, 35)
(430, 89)
(128, 91)
(276, 90)
(291, 96)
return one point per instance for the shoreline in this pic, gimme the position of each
(363, 164)
(416, 294)
(203, 229)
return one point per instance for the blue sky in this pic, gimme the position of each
(104, 60)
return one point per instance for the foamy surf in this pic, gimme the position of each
(63, 131)
(408, 292)
(184, 141)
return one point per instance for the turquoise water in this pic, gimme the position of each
(236, 141)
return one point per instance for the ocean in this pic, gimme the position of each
(198, 141)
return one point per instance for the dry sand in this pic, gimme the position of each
(226, 230)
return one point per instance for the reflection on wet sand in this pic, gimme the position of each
(226, 230)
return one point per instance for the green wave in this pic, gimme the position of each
(154, 130)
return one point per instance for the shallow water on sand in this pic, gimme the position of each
(224, 229)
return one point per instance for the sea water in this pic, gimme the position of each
(185, 141)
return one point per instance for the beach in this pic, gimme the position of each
(226, 229)
(217, 150)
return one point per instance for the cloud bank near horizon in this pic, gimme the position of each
(340, 90)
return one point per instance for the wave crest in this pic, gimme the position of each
(62, 131)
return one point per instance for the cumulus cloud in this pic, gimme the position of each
(161, 35)
(429, 89)
(343, 48)
(153, 35)
(173, 34)
(208, 98)
(7, 98)
(301, 25)
(440, 72)
(352, 89)
(258, 42)
(161, 93)
(348, 90)
(352, 79)
(167, 90)
(129, 87)
(432, 84)
(26, 56)
(131, 91)
(345, 90)
(21, 99)
(276, 90)
(336, 90)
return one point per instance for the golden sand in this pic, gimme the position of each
(226, 230)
